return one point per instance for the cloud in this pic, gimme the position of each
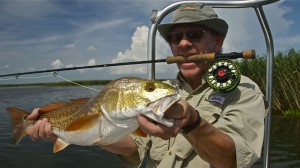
(288, 42)
(245, 31)
(93, 27)
(4, 66)
(29, 9)
(57, 64)
(91, 48)
(138, 52)
(91, 62)
(276, 14)
(69, 46)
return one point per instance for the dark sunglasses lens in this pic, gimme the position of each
(194, 35)
(175, 37)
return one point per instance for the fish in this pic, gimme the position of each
(104, 118)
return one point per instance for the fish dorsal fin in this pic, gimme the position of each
(139, 132)
(59, 145)
(53, 106)
(83, 123)
(81, 100)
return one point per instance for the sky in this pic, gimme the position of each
(49, 34)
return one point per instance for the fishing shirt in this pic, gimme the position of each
(239, 113)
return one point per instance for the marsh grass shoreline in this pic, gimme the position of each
(286, 83)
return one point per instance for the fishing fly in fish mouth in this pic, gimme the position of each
(105, 118)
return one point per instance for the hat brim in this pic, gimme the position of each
(217, 25)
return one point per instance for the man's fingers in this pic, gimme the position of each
(177, 110)
(49, 133)
(41, 131)
(35, 130)
(30, 133)
(38, 129)
(159, 130)
(34, 114)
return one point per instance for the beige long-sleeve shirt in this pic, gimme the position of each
(239, 113)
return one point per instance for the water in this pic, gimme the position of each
(285, 137)
(39, 154)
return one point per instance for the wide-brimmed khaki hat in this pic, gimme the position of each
(197, 14)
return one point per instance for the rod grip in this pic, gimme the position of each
(249, 54)
(192, 58)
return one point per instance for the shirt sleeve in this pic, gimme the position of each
(243, 120)
(135, 161)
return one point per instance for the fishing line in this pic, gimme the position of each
(55, 74)
(26, 77)
(76, 83)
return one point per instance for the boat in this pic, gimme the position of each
(159, 15)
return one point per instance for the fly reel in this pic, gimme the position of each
(223, 75)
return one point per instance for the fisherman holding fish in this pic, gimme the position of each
(211, 129)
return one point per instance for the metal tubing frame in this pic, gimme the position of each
(158, 16)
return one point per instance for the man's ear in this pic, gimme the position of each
(219, 42)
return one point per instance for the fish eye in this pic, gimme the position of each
(150, 87)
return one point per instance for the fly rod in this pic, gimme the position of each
(247, 54)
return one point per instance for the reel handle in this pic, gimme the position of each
(223, 75)
(247, 54)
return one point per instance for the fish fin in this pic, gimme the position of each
(59, 145)
(139, 132)
(81, 100)
(17, 117)
(83, 123)
(53, 106)
(97, 141)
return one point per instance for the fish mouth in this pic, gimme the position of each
(155, 110)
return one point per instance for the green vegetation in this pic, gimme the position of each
(286, 85)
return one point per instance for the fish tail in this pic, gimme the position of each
(17, 117)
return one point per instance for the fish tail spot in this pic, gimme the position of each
(17, 117)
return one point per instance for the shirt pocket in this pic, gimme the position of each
(159, 148)
(210, 110)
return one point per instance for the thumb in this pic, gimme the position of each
(178, 110)
(34, 114)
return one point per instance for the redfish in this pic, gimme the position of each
(104, 119)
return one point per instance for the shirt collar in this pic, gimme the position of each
(184, 85)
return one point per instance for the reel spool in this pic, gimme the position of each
(223, 75)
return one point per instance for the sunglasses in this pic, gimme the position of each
(191, 35)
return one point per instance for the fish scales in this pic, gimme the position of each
(62, 117)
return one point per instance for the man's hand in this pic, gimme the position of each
(181, 111)
(41, 129)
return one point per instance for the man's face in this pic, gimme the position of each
(190, 39)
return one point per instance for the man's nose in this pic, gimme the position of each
(184, 42)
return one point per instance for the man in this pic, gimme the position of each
(211, 129)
